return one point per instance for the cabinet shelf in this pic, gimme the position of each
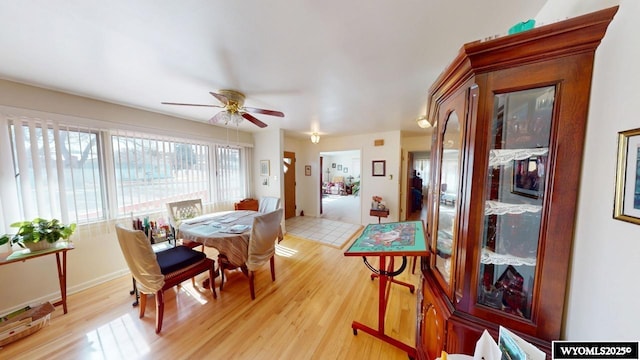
(490, 257)
(501, 157)
(499, 208)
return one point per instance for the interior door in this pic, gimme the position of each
(289, 162)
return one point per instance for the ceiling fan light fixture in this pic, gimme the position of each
(228, 117)
(423, 122)
(234, 110)
(315, 138)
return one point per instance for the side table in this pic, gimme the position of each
(379, 213)
(61, 247)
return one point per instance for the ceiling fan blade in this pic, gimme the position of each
(183, 104)
(254, 120)
(263, 111)
(223, 99)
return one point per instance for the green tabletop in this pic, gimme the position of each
(24, 254)
(403, 238)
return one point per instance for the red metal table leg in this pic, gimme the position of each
(383, 292)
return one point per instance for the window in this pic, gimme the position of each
(150, 172)
(86, 174)
(230, 180)
(422, 167)
(58, 171)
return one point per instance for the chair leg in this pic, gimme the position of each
(212, 280)
(273, 268)
(221, 276)
(251, 286)
(159, 310)
(143, 304)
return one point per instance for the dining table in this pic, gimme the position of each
(226, 231)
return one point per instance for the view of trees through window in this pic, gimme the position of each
(73, 175)
(58, 173)
(149, 173)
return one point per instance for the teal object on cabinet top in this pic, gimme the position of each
(522, 26)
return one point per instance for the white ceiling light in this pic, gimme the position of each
(423, 122)
(227, 117)
(315, 138)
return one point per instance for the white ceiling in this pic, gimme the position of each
(335, 67)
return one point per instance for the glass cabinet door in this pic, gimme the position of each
(446, 226)
(514, 198)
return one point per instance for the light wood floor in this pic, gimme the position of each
(305, 314)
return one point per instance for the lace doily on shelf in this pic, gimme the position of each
(489, 257)
(500, 208)
(506, 156)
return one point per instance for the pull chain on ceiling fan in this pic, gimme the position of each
(234, 110)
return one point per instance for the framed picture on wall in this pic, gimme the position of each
(339, 167)
(264, 167)
(378, 168)
(345, 169)
(307, 170)
(333, 165)
(626, 205)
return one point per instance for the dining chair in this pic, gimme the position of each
(246, 204)
(262, 248)
(156, 272)
(268, 204)
(182, 210)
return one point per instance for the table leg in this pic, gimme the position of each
(383, 288)
(62, 279)
(392, 279)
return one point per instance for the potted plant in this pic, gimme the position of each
(38, 234)
(355, 187)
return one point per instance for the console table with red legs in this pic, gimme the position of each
(60, 247)
(387, 241)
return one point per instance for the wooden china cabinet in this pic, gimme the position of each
(509, 118)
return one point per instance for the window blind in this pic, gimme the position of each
(57, 170)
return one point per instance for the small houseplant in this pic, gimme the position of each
(38, 231)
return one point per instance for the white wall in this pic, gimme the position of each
(602, 302)
(268, 146)
(387, 186)
(347, 159)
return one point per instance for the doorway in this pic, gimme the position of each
(418, 168)
(340, 186)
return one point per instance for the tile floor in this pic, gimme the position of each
(329, 232)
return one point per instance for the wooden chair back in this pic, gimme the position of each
(246, 204)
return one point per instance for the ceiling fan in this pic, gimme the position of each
(234, 109)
